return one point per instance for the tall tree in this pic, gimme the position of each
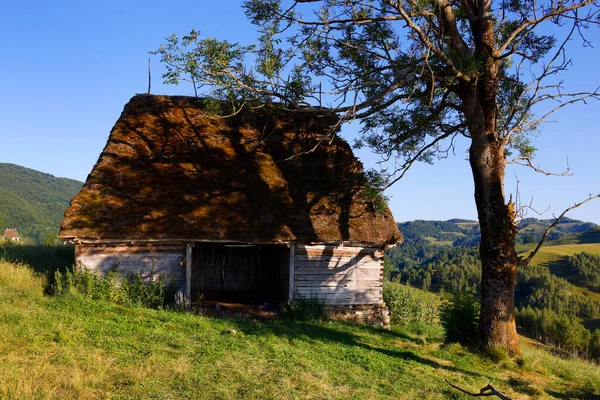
(417, 74)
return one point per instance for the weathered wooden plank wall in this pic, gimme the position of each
(150, 260)
(339, 275)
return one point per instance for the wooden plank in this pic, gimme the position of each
(367, 261)
(322, 278)
(321, 249)
(188, 276)
(87, 250)
(322, 271)
(328, 249)
(369, 274)
(291, 275)
(344, 283)
(323, 258)
(369, 284)
(354, 279)
(324, 265)
(326, 291)
(328, 298)
(369, 292)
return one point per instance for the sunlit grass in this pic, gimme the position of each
(75, 348)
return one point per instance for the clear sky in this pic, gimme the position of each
(69, 67)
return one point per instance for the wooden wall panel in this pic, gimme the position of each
(339, 275)
(149, 260)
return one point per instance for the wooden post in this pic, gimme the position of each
(188, 276)
(354, 285)
(292, 261)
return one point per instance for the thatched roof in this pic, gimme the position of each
(170, 171)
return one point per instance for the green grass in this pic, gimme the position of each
(74, 348)
(438, 242)
(554, 254)
(554, 257)
(549, 255)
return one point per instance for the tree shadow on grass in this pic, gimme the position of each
(578, 393)
(314, 331)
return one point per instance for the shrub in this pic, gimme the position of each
(408, 305)
(594, 346)
(113, 287)
(460, 319)
(304, 309)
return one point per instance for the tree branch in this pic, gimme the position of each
(525, 161)
(485, 391)
(529, 25)
(524, 262)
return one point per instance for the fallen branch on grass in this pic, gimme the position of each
(486, 391)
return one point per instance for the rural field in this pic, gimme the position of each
(71, 347)
(554, 255)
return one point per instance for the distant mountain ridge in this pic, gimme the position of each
(462, 232)
(34, 202)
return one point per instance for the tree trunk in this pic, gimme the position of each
(497, 249)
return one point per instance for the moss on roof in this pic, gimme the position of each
(172, 171)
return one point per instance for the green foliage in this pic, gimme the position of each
(219, 66)
(586, 267)
(560, 330)
(304, 309)
(465, 233)
(33, 202)
(408, 305)
(374, 184)
(594, 346)
(429, 266)
(460, 319)
(537, 287)
(113, 287)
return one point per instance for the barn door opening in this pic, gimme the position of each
(250, 274)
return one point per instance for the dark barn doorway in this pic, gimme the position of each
(249, 274)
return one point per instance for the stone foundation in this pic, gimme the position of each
(373, 314)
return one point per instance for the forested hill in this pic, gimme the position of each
(32, 201)
(557, 296)
(461, 232)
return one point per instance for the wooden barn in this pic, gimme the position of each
(234, 207)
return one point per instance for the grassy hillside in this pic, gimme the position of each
(32, 201)
(75, 348)
(554, 253)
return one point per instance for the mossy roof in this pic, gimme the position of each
(170, 170)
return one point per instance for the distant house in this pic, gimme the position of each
(11, 234)
(246, 207)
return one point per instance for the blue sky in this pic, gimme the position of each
(69, 67)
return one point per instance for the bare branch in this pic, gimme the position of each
(485, 391)
(410, 161)
(529, 25)
(525, 161)
(524, 262)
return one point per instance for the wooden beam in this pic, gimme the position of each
(291, 280)
(354, 299)
(188, 275)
